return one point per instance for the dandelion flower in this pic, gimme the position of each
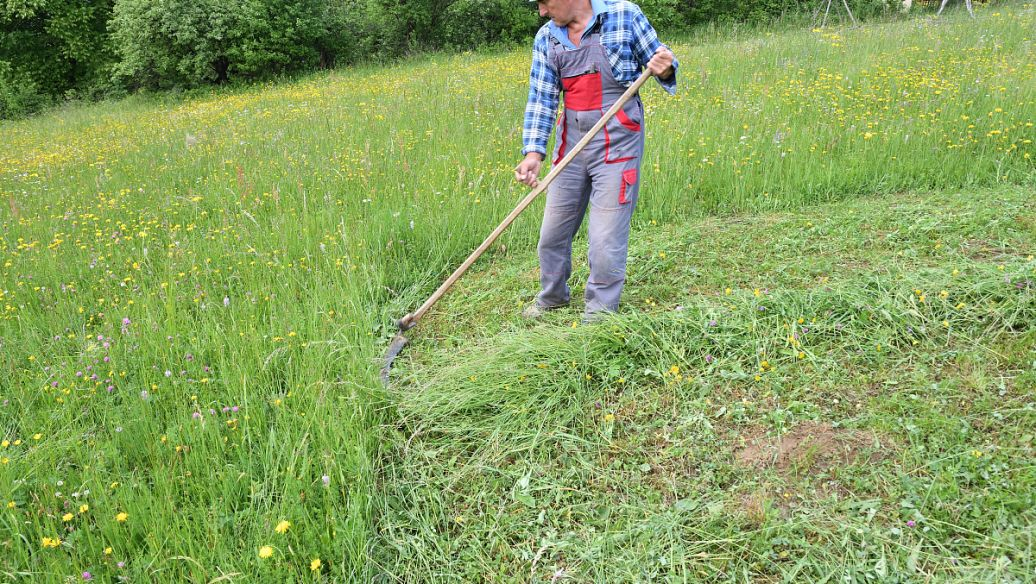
(315, 565)
(282, 527)
(122, 517)
(609, 418)
(265, 552)
(67, 517)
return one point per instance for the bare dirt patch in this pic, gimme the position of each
(809, 448)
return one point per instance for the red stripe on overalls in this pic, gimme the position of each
(563, 128)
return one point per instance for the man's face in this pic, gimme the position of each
(560, 11)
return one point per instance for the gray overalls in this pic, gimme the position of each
(604, 176)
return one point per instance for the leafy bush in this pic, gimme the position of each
(19, 95)
(359, 30)
(413, 24)
(474, 23)
(185, 43)
(664, 14)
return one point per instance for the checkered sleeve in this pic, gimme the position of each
(544, 93)
(645, 42)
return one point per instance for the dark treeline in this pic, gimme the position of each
(57, 50)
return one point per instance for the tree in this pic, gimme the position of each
(52, 48)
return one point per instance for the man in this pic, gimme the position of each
(590, 51)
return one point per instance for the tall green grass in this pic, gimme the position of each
(248, 250)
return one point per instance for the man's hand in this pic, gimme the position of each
(528, 170)
(661, 63)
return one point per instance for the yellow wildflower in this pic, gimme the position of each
(265, 552)
(282, 527)
(122, 517)
(315, 565)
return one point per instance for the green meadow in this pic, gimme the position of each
(824, 369)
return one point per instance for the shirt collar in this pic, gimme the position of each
(561, 32)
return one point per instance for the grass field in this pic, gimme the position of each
(824, 367)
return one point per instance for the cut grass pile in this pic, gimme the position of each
(848, 393)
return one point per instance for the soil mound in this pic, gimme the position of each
(809, 448)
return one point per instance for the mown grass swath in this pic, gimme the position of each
(193, 292)
(884, 386)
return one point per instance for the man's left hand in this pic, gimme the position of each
(661, 63)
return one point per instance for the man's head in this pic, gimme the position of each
(563, 12)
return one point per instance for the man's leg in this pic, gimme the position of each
(613, 198)
(567, 198)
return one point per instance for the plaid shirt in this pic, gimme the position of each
(628, 40)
